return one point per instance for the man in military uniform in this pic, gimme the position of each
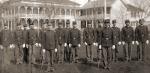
(32, 40)
(88, 40)
(6, 42)
(116, 40)
(25, 43)
(141, 34)
(60, 41)
(50, 45)
(128, 39)
(75, 40)
(106, 44)
(67, 36)
(18, 39)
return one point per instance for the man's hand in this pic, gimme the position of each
(85, 43)
(79, 45)
(56, 49)
(123, 42)
(23, 45)
(43, 50)
(147, 42)
(113, 47)
(132, 42)
(100, 46)
(96, 44)
(70, 45)
(119, 43)
(137, 42)
(1, 47)
(65, 44)
(40, 45)
(36, 44)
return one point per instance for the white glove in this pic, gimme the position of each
(85, 43)
(40, 45)
(132, 42)
(137, 42)
(65, 44)
(43, 50)
(100, 47)
(119, 43)
(147, 42)
(23, 45)
(79, 45)
(123, 43)
(36, 44)
(1, 47)
(96, 44)
(56, 49)
(10, 46)
(70, 45)
(13, 46)
(113, 47)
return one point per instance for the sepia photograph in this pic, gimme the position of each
(74, 36)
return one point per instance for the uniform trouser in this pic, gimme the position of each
(141, 51)
(51, 56)
(114, 53)
(127, 50)
(74, 53)
(66, 53)
(18, 53)
(89, 52)
(32, 53)
(60, 53)
(26, 55)
(106, 53)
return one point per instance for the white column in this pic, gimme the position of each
(105, 9)
(19, 13)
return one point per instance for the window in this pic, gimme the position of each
(83, 24)
(108, 10)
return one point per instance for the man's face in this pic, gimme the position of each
(74, 26)
(5, 27)
(127, 24)
(114, 24)
(19, 26)
(32, 26)
(59, 26)
(141, 22)
(107, 24)
(89, 25)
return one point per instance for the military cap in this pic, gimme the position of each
(114, 21)
(74, 22)
(47, 21)
(67, 22)
(127, 21)
(89, 22)
(41, 21)
(29, 21)
(5, 24)
(141, 20)
(107, 21)
(18, 24)
(52, 21)
(59, 23)
(25, 25)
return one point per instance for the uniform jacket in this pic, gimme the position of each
(75, 37)
(25, 36)
(67, 35)
(50, 40)
(88, 36)
(6, 38)
(98, 35)
(127, 34)
(32, 36)
(18, 37)
(60, 36)
(107, 37)
(116, 35)
(141, 33)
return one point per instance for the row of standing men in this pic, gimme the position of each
(65, 42)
